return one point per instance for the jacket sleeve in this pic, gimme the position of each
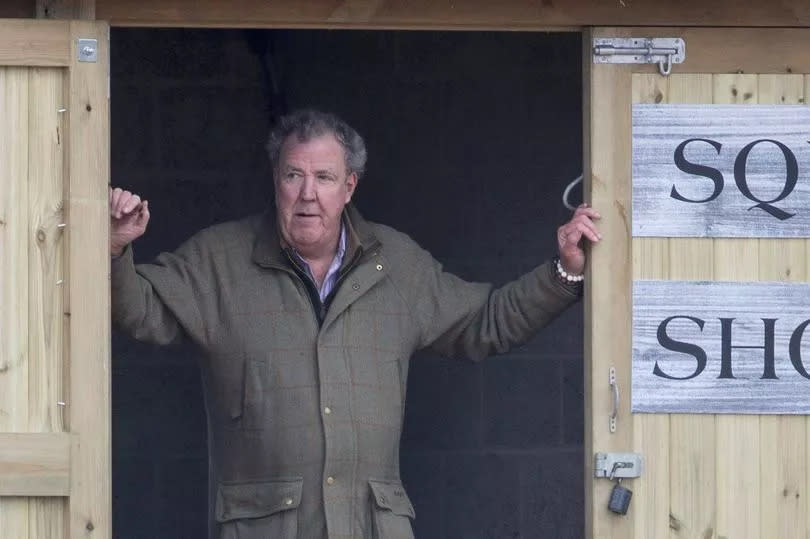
(473, 320)
(160, 302)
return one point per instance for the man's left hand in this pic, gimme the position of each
(570, 238)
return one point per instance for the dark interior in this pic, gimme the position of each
(472, 138)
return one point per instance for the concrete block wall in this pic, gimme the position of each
(472, 138)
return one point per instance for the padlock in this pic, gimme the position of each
(620, 499)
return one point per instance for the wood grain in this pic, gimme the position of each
(747, 304)
(14, 356)
(66, 9)
(89, 269)
(738, 477)
(784, 439)
(34, 43)
(651, 260)
(506, 14)
(608, 100)
(47, 371)
(692, 437)
(34, 464)
(658, 130)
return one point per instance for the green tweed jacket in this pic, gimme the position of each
(305, 415)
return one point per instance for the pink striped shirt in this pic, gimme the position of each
(330, 280)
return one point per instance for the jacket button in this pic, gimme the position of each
(355, 286)
(327, 410)
(379, 267)
(330, 480)
(288, 501)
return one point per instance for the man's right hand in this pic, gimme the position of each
(129, 216)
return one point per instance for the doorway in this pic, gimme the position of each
(472, 138)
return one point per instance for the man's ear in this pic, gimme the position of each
(351, 185)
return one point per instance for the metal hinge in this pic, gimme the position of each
(618, 465)
(663, 51)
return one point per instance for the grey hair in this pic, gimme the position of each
(308, 124)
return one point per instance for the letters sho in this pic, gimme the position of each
(692, 349)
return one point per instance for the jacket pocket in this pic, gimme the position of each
(260, 509)
(391, 511)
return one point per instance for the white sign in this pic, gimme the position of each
(721, 170)
(720, 347)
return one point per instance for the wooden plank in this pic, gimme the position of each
(692, 437)
(709, 379)
(738, 476)
(607, 99)
(14, 271)
(447, 13)
(17, 9)
(784, 439)
(34, 464)
(651, 431)
(806, 456)
(34, 43)
(66, 9)
(45, 252)
(747, 187)
(46, 270)
(89, 266)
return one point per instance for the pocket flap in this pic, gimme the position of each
(257, 499)
(391, 495)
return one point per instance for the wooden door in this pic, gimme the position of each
(54, 281)
(706, 476)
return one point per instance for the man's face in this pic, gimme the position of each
(312, 187)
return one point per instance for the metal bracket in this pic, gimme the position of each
(663, 51)
(87, 50)
(618, 465)
(615, 387)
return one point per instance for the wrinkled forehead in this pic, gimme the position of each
(322, 150)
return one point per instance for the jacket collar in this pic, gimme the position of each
(269, 252)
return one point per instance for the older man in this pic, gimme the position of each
(307, 317)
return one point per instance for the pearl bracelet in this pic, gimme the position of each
(564, 276)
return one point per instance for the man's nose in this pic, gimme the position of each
(308, 188)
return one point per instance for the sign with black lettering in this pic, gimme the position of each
(721, 347)
(721, 171)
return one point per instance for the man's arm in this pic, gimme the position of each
(152, 302)
(461, 319)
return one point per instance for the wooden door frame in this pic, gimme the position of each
(75, 463)
(607, 105)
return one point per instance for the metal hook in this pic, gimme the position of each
(567, 193)
(665, 68)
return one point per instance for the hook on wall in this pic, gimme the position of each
(567, 193)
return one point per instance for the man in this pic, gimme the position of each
(307, 317)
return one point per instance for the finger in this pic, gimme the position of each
(143, 215)
(120, 202)
(590, 212)
(589, 232)
(590, 225)
(123, 200)
(131, 204)
(587, 221)
(116, 195)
